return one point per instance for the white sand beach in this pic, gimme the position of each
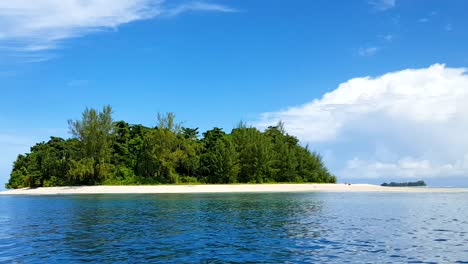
(220, 188)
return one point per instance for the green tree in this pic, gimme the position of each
(190, 133)
(105, 152)
(255, 153)
(120, 144)
(46, 165)
(210, 137)
(94, 131)
(163, 150)
(221, 162)
(19, 173)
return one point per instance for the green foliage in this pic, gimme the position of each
(255, 155)
(95, 133)
(190, 133)
(123, 176)
(221, 162)
(102, 151)
(404, 184)
(188, 179)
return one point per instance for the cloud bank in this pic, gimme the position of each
(407, 124)
(42, 24)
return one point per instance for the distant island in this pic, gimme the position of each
(104, 152)
(404, 184)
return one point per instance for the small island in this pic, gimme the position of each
(102, 151)
(404, 184)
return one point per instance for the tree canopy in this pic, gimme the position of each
(103, 151)
(404, 184)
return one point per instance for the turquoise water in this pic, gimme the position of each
(236, 228)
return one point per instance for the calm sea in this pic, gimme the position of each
(236, 228)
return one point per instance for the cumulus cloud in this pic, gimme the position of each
(382, 5)
(406, 123)
(41, 24)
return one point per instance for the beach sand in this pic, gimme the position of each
(223, 188)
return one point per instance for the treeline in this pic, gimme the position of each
(404, 184)
(102, 151)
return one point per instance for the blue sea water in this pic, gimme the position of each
(236, 228)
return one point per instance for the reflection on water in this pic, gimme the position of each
(235, 228)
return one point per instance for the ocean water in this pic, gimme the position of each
(236, 228)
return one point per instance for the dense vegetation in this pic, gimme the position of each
(404, 184)
(102, 151)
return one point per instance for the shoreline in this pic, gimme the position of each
(224, 188)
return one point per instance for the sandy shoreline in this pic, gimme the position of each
(227, 188)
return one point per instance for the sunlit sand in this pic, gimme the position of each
(220, 188)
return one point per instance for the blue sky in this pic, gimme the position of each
(215, 63)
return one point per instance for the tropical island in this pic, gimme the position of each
(102, 151)
(404, 184)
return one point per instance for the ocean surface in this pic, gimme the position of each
(236, 228)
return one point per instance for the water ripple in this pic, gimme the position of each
(235, 228)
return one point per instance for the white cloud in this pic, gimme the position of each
(369, 51)
(388, 37)
(199, 6)
(382, 5)
(428, 18)
(407, 168)
(42, 24)
(406, 123)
